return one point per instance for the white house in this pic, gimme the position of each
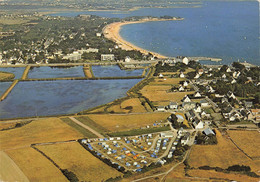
(231, 95)
(127, 59)
(186, 99)
(197, 109)
(210, 89)
(107, 57)
(203, 114)
(180, 131)
(182, 75)
(200, 71)
(185, 139)
(160, 108)
(228, 70)
(198, 124)
(233, 81)
(197, 94)
(167, 134)
(98, 34)
(185, 60)
(188, 105)
(160, 75)
(173, 105)
(197, 76)
(73, 56)
(209, 75)
(224, 76)
(185, 84)
(208, 131)
(181, 89)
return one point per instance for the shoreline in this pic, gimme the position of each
(112, 32)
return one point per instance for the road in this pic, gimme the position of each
(87, 127)
(81, 64)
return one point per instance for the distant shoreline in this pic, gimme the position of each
(112, 32)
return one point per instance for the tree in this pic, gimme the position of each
(70, 175)
(238, 66)
(223, 68)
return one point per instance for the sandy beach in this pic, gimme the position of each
(112, 32)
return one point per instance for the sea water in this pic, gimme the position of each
(45, 98)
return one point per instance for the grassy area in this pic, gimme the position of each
(168, 81)
(154, 171)
(222, 155)
(82, 163)
(243, 122)
(88, 71)
(132, 105)
(12, 21)
(139, 131)
(80, 129)
(178, 72)
(89, 122)
(178, 172)
(35, 166)
(248, 141)
(6, 76)
(157, 90)
(160, 93)
(124, 122)
(209, 110)
(185, 122)
(39, 131)
(98, 110)
(217, 116)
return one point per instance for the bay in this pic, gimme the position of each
(223, 29)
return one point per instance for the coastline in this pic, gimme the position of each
(112, 32)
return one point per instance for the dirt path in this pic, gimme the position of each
(167, 172)
(87, 127)
(9, 171)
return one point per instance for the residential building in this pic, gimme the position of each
(208, 131)
(160, 108)
(204, 103)
(185, 138)
(127, 59)
(197, 124)
(182, 75)
(181, 89)
(200, 71)
(107, 57)
(188, 105)
(173, 105)
(186, 99)
(167, 134)
(185, 60)
(197, 94)
(197, 76)
(185, 84)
